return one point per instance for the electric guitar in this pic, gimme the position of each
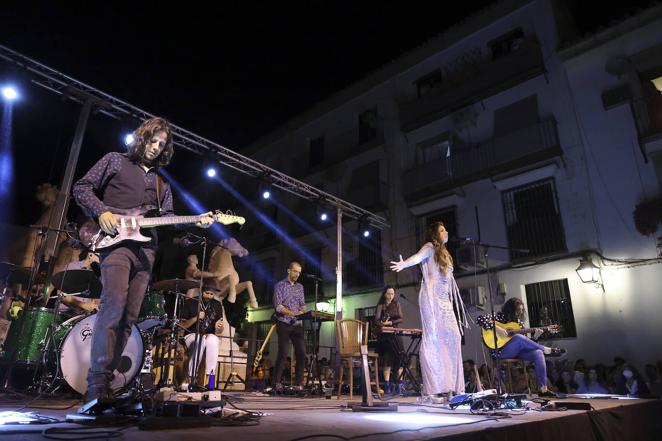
(505, 332)
(129, 223)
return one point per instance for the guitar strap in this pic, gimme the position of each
(159, 189)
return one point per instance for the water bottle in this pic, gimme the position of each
(212, 383)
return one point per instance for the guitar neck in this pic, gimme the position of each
(526, 330)
(149, 222)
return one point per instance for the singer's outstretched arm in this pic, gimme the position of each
(424, 253)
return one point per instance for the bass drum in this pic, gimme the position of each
(74, 341)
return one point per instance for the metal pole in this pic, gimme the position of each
(60, 210)
(339, 267)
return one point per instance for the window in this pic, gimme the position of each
(533, 219)
(549, 303)
(367, 125)
(316, 151)
(262, 330)
(366, 270)
(370, 258)
(435, 152)
(506, 44)
(368, 315)
(427, 83)
(522, 113)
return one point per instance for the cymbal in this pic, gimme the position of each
(179, 285)
(78, 281)
(18, 274)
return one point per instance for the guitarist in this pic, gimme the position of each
(520, 346)
(124, 181)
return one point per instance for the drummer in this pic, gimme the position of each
(211, 325)
(76, 302)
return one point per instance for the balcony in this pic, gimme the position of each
(519, 148)
(477, 84)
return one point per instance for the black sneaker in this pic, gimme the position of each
(547, 394)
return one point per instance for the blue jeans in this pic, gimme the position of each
(125, 274)
(524, 348)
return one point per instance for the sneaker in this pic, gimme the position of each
(387, 388)
(278, 388)
(557, 352)
(547, 394)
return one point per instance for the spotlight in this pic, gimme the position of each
(266, 194)
(324, 217)
(366, 233)
(9, 93)
(211, 172)
(128, 139)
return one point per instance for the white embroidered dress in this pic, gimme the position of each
(440, 352)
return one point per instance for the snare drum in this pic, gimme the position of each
(33, 339)
(74, 342)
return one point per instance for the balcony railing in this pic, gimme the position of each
(480, 82)
(516, 149)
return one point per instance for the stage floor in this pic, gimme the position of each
(290, 418)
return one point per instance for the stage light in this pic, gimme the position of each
(9, 93)
(366, 233)
(211, 172)
(128, 139)
(324, 217)
(266, 194)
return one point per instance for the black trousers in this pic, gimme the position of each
(287, 333)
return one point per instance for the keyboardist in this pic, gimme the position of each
(289, 302)
(389, 314)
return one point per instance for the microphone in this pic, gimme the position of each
(184, 241)
(311, 276)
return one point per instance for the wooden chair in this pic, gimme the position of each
(351, 335)
(508, 364)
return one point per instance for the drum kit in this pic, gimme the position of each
(57, 348)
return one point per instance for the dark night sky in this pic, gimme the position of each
(231, 71)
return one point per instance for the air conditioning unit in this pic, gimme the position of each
(471, 255)
(474, 296)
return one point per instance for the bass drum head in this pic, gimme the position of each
(75, 355)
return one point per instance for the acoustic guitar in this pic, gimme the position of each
(505, 332)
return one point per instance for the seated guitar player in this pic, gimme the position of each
(520, 346)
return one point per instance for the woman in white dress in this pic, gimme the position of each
(440, 303)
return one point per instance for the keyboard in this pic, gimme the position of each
(402, 331)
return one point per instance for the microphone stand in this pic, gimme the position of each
(314, 359)
(485, 248)
(193, 384)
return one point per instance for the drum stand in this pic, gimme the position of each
(39, 254)
(172, 345)
(233, 373)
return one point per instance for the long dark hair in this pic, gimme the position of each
(143, 135)
(441, 254)
(382, 299)
(510, 307)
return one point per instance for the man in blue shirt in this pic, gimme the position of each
(289, 302)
